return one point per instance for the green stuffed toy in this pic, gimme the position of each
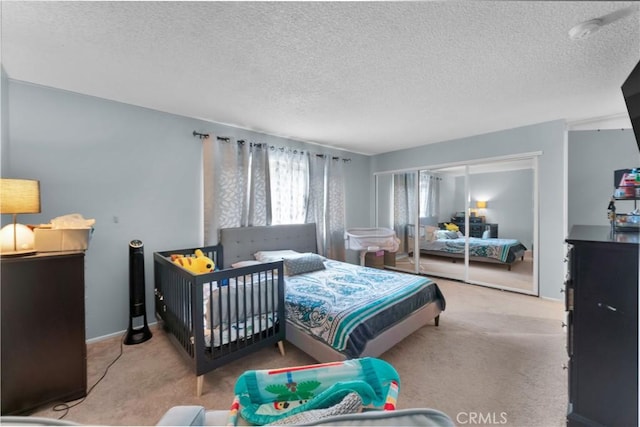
(197, 264)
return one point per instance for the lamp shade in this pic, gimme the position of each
(481, 204)
(19, 196)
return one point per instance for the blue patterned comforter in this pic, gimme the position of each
(347, 305)
(504, 250)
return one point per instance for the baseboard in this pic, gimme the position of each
(152, 326)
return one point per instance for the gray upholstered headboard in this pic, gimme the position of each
(240, 243)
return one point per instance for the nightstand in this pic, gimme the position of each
(476, 229)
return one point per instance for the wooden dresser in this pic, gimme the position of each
(602, 339)
(44, 353)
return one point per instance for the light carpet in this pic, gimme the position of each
(519, 277)
(495, 359)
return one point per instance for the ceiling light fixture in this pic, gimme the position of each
(585, 29)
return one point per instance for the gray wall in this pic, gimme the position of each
(593, 156)
(4, 120)
(136, 171)
(549, 138)
(509, 196)
(448, 191)
(385, 201)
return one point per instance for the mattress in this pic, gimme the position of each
(347, 305)
(503, 250)
(239, 307)
(239, 330)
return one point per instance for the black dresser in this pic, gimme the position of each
(477, 227)
(602, 340)
(44, 354)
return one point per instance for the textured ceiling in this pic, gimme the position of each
(369, 77)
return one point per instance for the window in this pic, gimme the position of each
(289, 178)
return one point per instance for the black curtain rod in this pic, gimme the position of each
(260, 144)
(201, 135)
(333, 157)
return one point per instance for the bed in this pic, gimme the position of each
(215, 318)
(370, 339)
(449, 244)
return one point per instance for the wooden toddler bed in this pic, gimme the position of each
(217, 317)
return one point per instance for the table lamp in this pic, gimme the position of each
(18, 196)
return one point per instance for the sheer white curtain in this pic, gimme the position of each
(259, 191)
(249, 184)
(289, 174)
(335, 217)
(315, 207)
(327, 204)
(236, 194)
(429, 195)
(404, 202)
(404, 206)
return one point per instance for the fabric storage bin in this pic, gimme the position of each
(65, 239)
(390, 258)
(374, 259)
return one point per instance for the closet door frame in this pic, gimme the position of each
(535, 291)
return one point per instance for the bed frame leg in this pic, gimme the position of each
(509, 267)
(281, 347)
(437, 320)
(199, 383)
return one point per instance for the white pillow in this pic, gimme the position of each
(430, 233)
(271, 256)
(246, 263)
(441, 234)
(445, 234)
(314, 254)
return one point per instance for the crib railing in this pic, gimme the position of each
(220, 316)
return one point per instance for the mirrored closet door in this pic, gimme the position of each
(440, 251)
(470, 222)
(501, 225)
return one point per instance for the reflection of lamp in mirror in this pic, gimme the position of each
(18, 196)
(481, 204)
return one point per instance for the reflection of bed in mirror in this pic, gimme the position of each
(442, 243)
